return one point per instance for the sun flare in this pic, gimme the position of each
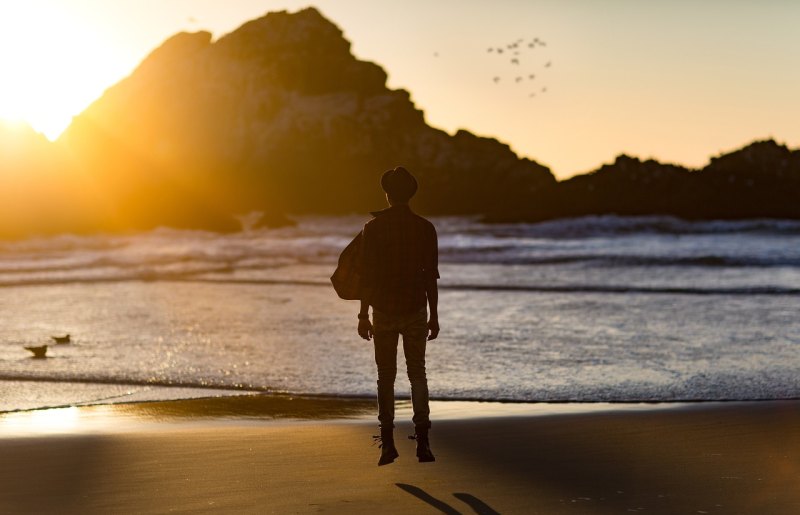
(50, 64)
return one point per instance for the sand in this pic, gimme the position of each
(706, 458)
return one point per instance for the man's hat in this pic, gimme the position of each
(399, 183)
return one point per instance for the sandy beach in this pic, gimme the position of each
(704, 458)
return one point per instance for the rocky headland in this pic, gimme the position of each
(279, 116)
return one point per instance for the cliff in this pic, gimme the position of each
(280, 116)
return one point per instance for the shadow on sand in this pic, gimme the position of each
(480, 507)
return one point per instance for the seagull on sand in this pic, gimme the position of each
(61, 339)
(38, 351)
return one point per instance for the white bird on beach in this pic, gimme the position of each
(38, 351)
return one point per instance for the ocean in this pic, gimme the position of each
(593, 309)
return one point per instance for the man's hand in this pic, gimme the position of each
(364, 328)
(433, 328)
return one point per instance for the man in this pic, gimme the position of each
(399, 273)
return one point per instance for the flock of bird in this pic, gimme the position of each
(40, 351)
(513, 53)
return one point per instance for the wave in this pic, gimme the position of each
(574, 398)
(512, 255)
(612, 225)
(566, 289)
(599, 241)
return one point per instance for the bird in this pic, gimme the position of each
(532, 76)
(38, 351)
(496, 80)
(62, 339)
(547, 65)
(544, 90)
(515, 61)
(532, 95)
(518, 79)
(499, 50)
(490, 50)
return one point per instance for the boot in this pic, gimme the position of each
(423, 445)
(388, 451)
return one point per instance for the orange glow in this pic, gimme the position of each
(47, 64)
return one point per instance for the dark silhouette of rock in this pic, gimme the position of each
(280, 116)
(273, 220)
(761, 180)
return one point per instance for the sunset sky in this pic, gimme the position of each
(677, 80)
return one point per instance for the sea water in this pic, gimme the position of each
(587, 309)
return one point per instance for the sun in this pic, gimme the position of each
(50, 64)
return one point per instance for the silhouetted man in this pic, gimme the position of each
(399, 273)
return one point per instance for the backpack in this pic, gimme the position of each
(346, 279)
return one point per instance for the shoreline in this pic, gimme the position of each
(698, 458)
(136, 392)
(207, 407)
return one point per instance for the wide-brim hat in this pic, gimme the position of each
(398, 182)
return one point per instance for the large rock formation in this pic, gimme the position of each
(761, 180)
(279, 115)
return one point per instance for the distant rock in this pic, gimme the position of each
(273, 220)
(761, 180)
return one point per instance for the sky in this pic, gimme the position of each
(678, 80)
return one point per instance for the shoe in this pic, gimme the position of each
(386, 443)
(424, 453)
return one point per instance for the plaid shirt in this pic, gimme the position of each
(399, 255)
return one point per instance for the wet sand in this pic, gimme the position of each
(705, 458)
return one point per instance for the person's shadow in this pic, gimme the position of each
(480, 507)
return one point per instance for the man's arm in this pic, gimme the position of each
(364, 325)
(432, 290)
(431, 286)
(367, 270)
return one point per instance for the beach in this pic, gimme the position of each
(165, 457)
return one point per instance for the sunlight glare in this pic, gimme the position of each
(51, 64)
(46, 421)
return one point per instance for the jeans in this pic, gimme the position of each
(386, 329)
